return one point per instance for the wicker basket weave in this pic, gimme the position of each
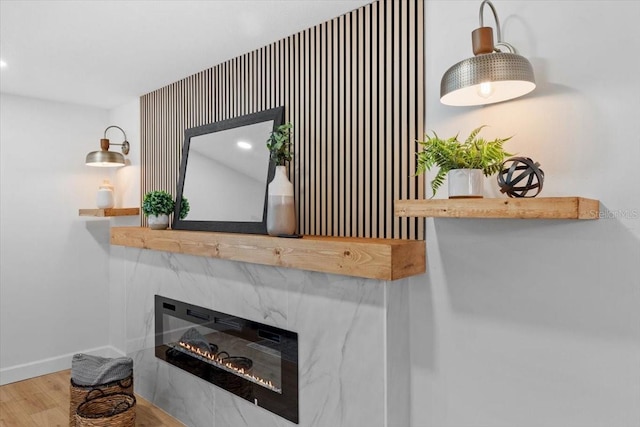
(110, 410)
(81, 393)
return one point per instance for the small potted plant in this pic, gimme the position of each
(281, 212)
(463, 163)
(158, 205)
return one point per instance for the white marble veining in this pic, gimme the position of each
(341, 350)
(398, 394)
(184, 396)
(346, 339)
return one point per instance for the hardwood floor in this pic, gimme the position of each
(44, 402)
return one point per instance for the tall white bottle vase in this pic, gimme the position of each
(281, 210)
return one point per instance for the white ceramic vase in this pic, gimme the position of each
(104, 198)
(158, 222)
(281, 211)
(465, 183)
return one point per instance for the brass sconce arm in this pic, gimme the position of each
(104, 142)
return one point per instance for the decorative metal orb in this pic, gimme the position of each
(519, 176)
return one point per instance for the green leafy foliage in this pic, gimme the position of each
(184, 208)
(160, 202)
(448, 154)
(157, 203)
(279, 144)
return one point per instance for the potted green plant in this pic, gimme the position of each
(157, 205)
(462, 163)
(281, 212)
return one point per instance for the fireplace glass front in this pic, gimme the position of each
(254, 361)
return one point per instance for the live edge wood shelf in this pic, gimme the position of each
(523, 208)
(382, 259)
(109, 212)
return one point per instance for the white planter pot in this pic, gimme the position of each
(465, 183)
(281, 211)
(158, 222)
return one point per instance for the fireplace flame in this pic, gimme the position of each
(227, 366)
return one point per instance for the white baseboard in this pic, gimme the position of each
(53, 364)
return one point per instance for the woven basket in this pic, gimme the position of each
(110, 410)
(82, 393)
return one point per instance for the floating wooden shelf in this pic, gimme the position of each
(109, 212)
(524, 208)
(383, 259)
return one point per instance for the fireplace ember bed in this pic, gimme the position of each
(252, 360)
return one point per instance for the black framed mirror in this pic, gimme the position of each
(224, 174)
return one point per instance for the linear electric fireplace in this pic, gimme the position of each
(249, 359)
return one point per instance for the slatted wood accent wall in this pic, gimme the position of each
(353, 87)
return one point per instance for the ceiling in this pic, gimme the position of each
(105, 53)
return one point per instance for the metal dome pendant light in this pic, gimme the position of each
(491, 75)
(106, 158)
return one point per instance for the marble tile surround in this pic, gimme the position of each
(353, 339)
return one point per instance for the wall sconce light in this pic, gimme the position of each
(106, 158)
(491, 75)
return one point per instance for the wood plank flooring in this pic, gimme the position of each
(44, 402)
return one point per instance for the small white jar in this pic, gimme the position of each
(104, 199)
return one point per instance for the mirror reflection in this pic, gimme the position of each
(226, 174)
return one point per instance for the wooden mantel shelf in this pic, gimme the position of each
(523, 208)
(382, 259)
(109, 212)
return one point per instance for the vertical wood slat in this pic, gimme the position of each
(366, 138)
(353, 87)
(421, 91)
(375, 109)
(360, 216)
(341, 119)
(389, 120)
(320, 138)
(403, 112)
(335, 135)
(349, 120)
(397, 108)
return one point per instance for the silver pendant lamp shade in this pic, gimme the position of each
(106, 158)
(489, 77)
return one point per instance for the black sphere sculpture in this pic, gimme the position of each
(520, 175)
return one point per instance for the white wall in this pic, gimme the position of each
(537, 323)
(127, 179)
(127, 194)
(53, 263)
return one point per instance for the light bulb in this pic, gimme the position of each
(244, 145)
(485, 90)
